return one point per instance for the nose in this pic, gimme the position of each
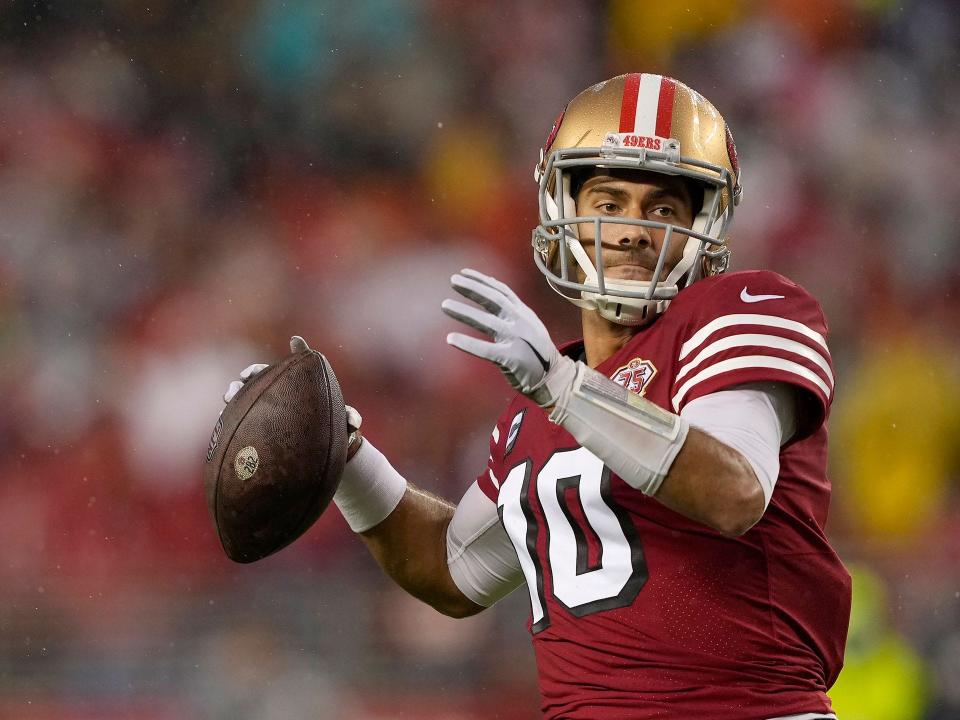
(633, 236)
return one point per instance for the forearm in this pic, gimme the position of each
(713, 484)
(410, 546)
(659, 454)
(729, 465)
(403, 526)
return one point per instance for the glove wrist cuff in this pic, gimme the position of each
(556, 383)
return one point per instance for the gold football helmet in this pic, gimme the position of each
(643, 122)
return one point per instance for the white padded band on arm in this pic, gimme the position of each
(369, 490)
(483, 562)
(635, 438)
(755, 419)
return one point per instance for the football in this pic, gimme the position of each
(276, 456)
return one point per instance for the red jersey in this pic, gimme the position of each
(638, 612)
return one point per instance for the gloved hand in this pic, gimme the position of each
(298, 344)
(521, 346)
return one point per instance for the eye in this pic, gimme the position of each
(664, 211)
(608, 207)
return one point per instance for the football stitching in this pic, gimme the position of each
(326, 464)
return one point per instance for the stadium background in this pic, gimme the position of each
(185, 184)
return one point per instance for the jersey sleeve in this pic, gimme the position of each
(489, 481)
(502, 440)
(757, 327)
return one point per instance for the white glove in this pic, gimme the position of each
(297, 344)
(521, 345)
(248, 372)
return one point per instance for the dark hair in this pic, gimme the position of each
(696, 194)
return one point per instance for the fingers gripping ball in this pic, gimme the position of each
(276, 455)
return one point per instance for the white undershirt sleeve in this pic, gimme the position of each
(483, 562)
(756, 419)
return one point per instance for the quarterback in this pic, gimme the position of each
(659, 486)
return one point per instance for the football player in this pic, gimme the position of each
(659, 486)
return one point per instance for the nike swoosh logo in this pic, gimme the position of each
(544, 363)
(748, 298)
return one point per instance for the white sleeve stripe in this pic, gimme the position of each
(493, 478)
(772, 341)
(747, 319)
(749, 361)
(495, 434)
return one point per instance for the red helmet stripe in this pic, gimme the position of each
(668, 88)
(628, 106)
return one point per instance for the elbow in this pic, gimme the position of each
(735, 526)
(457, 608)
(448, 599)
(458, 613)
(743, 507)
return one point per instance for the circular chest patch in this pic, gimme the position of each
(246, 462)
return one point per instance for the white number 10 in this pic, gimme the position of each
(620, 570)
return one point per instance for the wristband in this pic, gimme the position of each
(370, 489)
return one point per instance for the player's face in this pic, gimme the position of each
(630, 252)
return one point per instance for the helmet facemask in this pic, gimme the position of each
(559, 252)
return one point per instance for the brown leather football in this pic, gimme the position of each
(276, 456)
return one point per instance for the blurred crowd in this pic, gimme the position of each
(186, 183)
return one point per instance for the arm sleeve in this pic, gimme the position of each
(483, 562)
(756, 419)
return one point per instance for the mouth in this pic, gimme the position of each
(629, 271)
